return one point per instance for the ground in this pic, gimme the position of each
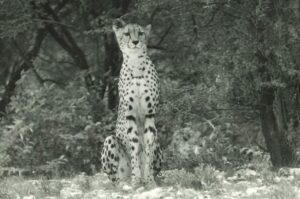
(242, 184)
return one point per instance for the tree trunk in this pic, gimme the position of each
(113, 58)
(65, 39)
(112, 67)
(24, 66)
(281, 151)
(272, 108)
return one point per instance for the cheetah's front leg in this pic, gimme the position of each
(150, 145)
(135, 149)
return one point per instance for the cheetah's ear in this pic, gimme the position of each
(117, 24)
(148, 29)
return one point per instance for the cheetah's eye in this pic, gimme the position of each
(141, 33)
(126, 34)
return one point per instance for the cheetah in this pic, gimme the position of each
(134, 153)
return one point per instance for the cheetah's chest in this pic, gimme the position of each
(139, 89)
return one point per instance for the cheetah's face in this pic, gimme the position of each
(131, 37)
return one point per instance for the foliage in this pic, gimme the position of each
(14, 23)
(207, 55)
(212, 143)
(54, 128)
(202, 177)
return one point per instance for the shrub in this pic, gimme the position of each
(201, 177)
(53, 129)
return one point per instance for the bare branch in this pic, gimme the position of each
(44, 80)
(210, 124)
(233, 109)
(156, 47)
(56, 23)
(31, 65)
(55, 61)
(62, 42)
(66, 40)
(155, 11)
(231, 15)
(61, 5)
(214, 14)
(195, 26)
(165, 34)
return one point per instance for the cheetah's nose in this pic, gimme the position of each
(135, 42)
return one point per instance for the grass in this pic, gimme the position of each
(205, 180)
(13, 187)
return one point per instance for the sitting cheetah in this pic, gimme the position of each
(134, 151)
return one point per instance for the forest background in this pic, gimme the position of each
(229, 74)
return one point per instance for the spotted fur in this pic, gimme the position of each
(135, 150)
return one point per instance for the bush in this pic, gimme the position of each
(202, 144)
(52, 129)
(201, 177)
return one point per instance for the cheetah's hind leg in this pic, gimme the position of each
(115, 161)
(157, 161)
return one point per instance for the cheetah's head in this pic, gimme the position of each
(132, 38)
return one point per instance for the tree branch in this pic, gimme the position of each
(31, 65)
(31, 54)
(16, 75)
(44, 80)
(68, 43)
(214, 14)
(165, 34)
(155, 11)
(55, 61)
(195, 26)
(61, 5)
(66, 33)
(59, 39)
(156, 47)
(56, 23)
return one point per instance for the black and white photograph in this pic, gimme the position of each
(149, 99)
